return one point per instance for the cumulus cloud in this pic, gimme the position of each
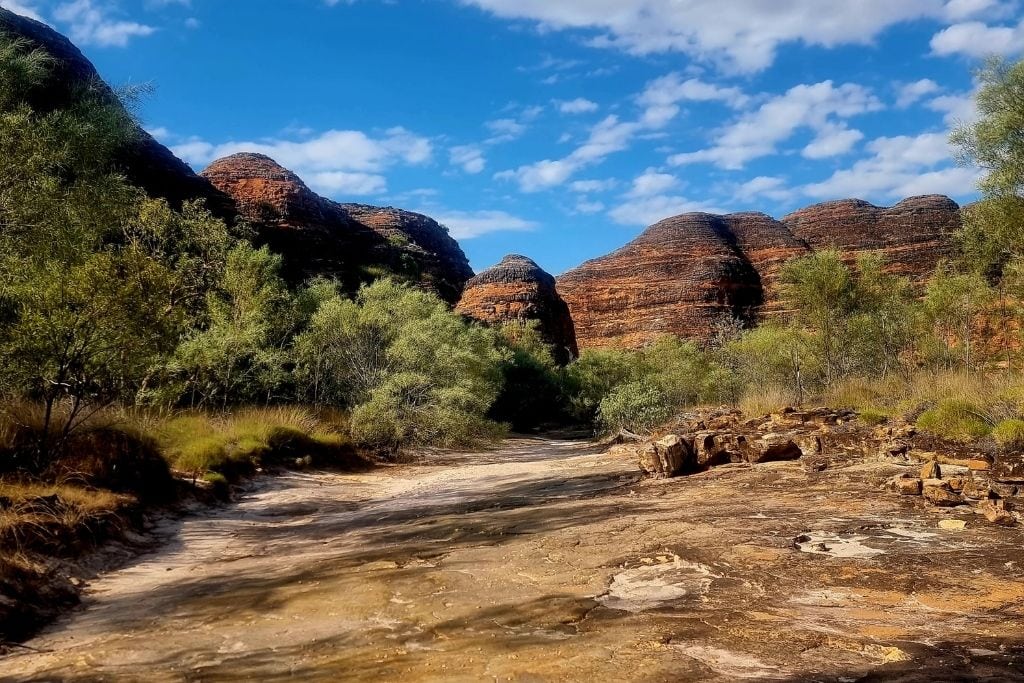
(580, 105)
(662, 95)
(653, 208)
(740, 35)
(464, 225)
(909, 93)
(334, 162)
(898, 167)
(470, 158)
(90, 24)
(504, 130)
(758, 133)
(651, 182)
(962, 108)
(585, 186)
(975, 39)
(771, 187)
(25, 9)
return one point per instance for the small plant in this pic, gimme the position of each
(956, 419)
(872, 416)
(1009, 434)
(636, 406)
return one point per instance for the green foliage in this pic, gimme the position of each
(531, 393)
(412, 371)
(956, 419)
(637, 406)
(872, 416)
(1009, 434)
(954, 304)
(595, 374)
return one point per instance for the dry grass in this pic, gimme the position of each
(761, 401)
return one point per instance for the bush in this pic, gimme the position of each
(872, 416)
(955, 419)
(1010, 434)
(636, 406)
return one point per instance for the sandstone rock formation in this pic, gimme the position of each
(681, 276)
(912, 236)
(146, 163)
(686, 274)
(316, 236)
(518, 290)
(351, 242)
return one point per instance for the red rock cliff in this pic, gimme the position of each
(912, 236)
(518, 290)
(351, 242)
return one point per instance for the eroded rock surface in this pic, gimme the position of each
(688, 274)
(549, 561)
(912, 236)
(352, 242)
(518, 290)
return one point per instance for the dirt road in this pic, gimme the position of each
(548, 561)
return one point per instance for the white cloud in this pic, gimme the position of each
(334, 150)
(653, 208)
(975, 39)
(468, 157)
(771, 187)
(833, 139)
(757, 133)
(909, 93)
(651, 182)
(957, 10)
(589, 207)
(89, 24)
(504, 130)
(160, 133)
(346, 183)
(465, 225)
(899, 167)
(336, 162)
(961, 108)
(741, 35)
(670, 89)
(580, 105)
(585, 186)
(25, 9)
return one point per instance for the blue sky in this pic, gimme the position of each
(560, 128)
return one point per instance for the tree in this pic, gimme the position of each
(822, 292)
(954, 304)
(411, 371)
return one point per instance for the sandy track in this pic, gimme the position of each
(545, 560)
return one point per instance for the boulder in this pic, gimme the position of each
(931, 470)
(714, 448)
(669, 456)
(938, 492)
(908, 486)
(1008, 467)
(770, 448)
(996, 513)
(517, 290)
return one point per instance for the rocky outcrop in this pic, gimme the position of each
(351, 242)
(912, 236)
(686, 274)
(681, 276)
(146, 162)
(518, 290)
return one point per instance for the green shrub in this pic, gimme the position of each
(1010, 433)
(636, 406)
(955, 419)
(872, 416)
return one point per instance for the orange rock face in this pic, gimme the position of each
(686, 274)
(518, 290)
(681, 276)
(912, 236)
(351, 242)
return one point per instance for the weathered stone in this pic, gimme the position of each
(517, 290)
(771, 448)
(978, 465)
(975, 488)
(712, 448)
(895, 448)
(319, 237)
(997, 514)
(956, 483)
(669, 456)
(912, 236)
(940, 494)
(1008, 467)
(931, 470)
(908, 486)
